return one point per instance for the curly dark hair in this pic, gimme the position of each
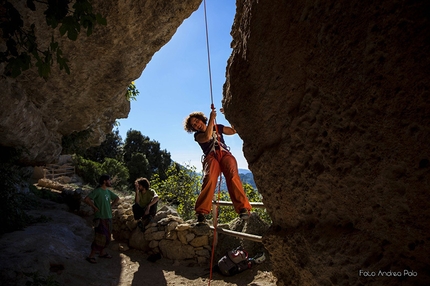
(198, 115)
(144, 182)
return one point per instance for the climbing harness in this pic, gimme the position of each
(216, 142)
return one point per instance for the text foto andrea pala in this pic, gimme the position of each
(380, 273)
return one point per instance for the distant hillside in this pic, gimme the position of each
(245, 176)
(244, 171)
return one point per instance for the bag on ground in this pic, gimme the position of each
(235, 261)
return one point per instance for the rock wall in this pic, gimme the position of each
(36, 114)
(331, 99)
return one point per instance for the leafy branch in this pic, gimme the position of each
(132, 92)
(21, 44)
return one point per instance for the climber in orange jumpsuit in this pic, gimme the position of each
(217, 159)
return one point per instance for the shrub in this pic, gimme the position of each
(254, 196)
(118, 171)
(180, 189)
(88, 170)
(11, 176)
(227, 213)
(91, 171)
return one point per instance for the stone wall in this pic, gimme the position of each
(172, 237)
(167, 234)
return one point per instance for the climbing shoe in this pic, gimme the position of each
(259, 258)
(201, 218)
(244, 214)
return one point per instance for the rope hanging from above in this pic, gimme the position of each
(214, 242)
(209, 58)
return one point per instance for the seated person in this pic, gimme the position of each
(146, 201)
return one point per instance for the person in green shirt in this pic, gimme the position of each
(146, 202)
(101, 200)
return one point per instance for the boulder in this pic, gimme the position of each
(138, 240)
(175, 250)
(331, 101)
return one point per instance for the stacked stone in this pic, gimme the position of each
(123, 220)
(167, 234)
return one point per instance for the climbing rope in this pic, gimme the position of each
(209, 57)
(215, 219)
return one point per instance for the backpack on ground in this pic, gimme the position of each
(235, 261)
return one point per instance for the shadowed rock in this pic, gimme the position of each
(36, 114)
(331, 101)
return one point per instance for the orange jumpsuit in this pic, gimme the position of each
(215, 162)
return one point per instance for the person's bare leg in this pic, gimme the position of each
(91, 257)
(92, 254)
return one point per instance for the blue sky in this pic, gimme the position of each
(176, 82)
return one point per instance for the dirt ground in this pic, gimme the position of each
(56, 250)
(133, 268)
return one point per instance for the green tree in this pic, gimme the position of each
(21, 44)
(134, 143)
(158, 160)
(110, 148)
(180, 188)
(118, 172)
(138, 166)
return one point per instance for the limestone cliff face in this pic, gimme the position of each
(35, 114)
(331, 99)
